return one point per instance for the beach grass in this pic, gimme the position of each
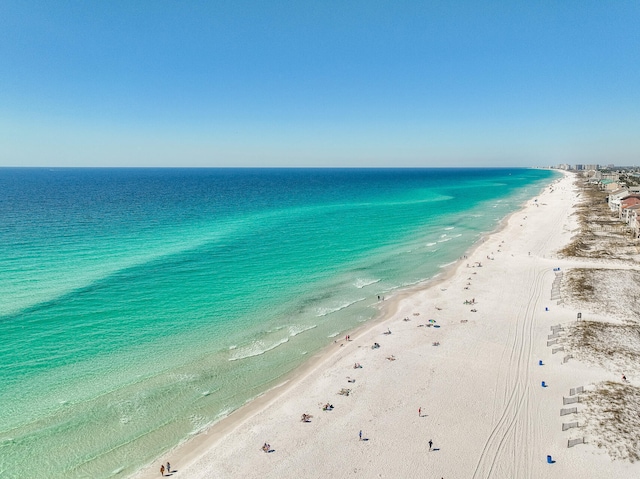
(601, 234)
(612, 421)
(615, 346)
(606, 291)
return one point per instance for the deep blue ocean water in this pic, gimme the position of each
(138, 306)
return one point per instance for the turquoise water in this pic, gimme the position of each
(138, 306)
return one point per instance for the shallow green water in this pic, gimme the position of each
(139, 306)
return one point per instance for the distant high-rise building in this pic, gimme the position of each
(593, 167)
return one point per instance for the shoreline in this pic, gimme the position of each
(205, 441)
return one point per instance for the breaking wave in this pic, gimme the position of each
(361, 283)
(295, 330)
(326, 311)
(256, 349)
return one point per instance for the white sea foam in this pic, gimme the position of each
(446, 264)
(208, 392)
(277, 328)
(449, 228)
(256, 349)
(443, 240)
(223, 413)
(295, 330)
(361, 283)
(201, 426)
(443, 235)
(233, 346)
(431, 244)
(327, 311)
(457, 236)
(333, 335)
(199, 423)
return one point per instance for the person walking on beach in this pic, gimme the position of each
(419, 412)
(430, 444)
(168, 468)
(162, 470)
(360, 434)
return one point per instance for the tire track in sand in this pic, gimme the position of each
(507, 439)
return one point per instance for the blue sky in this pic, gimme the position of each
(331, 83)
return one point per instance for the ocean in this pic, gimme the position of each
(140, 306)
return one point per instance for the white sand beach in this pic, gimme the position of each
(479, 388)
